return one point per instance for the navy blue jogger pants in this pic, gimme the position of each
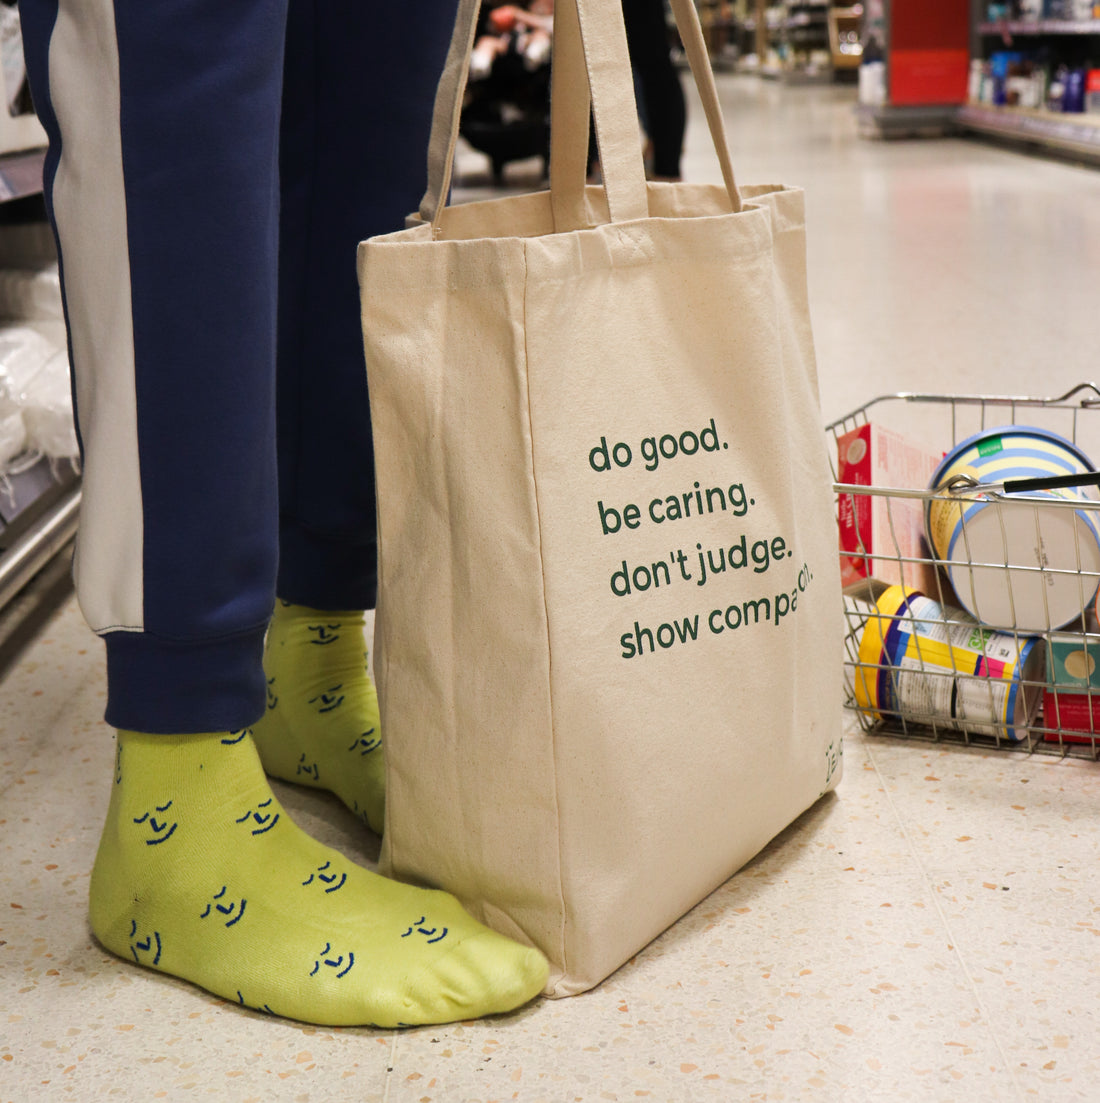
(212, 167)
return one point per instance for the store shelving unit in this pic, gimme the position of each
(844, 36)
(808, 41)
(721, 22)
(39, 504)
(799, 40)
(806, 38)
(1073, 133)
(734, 32)
(38, 517)
(1033, 27)
(924, 49)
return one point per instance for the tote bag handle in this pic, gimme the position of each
(607, 63)
(570, 111)
(590, 59)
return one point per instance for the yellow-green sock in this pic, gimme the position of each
(321, 726)
(201, 874)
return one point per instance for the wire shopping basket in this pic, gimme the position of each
(970, 609)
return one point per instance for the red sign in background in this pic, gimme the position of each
(929, 51)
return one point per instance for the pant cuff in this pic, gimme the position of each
(167, 687)
(325, 572)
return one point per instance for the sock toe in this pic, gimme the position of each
(486, 974)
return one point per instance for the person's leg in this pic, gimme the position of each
(159, 186)
(357, 101)
(665, 109)
(359, 88)
(161, 182)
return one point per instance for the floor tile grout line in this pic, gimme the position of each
(954, 942)
(391, 1066)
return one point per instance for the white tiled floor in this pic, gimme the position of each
(926, 933)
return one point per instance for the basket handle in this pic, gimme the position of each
(1054, 482)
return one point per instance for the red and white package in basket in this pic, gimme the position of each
(882, 537)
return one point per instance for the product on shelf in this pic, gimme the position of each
(31, 294)
(36, 413)
(1073, 91)
(1011, 78)
(1092, 91)
(872, 82)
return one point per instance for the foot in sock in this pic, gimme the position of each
(201, 874)
(321, 726)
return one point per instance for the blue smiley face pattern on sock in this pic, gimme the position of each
(200, 873)
(321, 727)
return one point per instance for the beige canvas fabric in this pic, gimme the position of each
(608, 641)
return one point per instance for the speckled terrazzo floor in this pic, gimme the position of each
(928, 932)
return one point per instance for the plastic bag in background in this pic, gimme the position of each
(23, 352)
(13, 438)
(31, 294)
(30, 290)
(48, 416)
(34, 385)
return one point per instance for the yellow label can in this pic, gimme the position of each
(923, 663)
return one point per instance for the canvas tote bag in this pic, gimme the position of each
(608, 640)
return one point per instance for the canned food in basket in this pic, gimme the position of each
(1071, 703)
(931, 664)
(1017, 560)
